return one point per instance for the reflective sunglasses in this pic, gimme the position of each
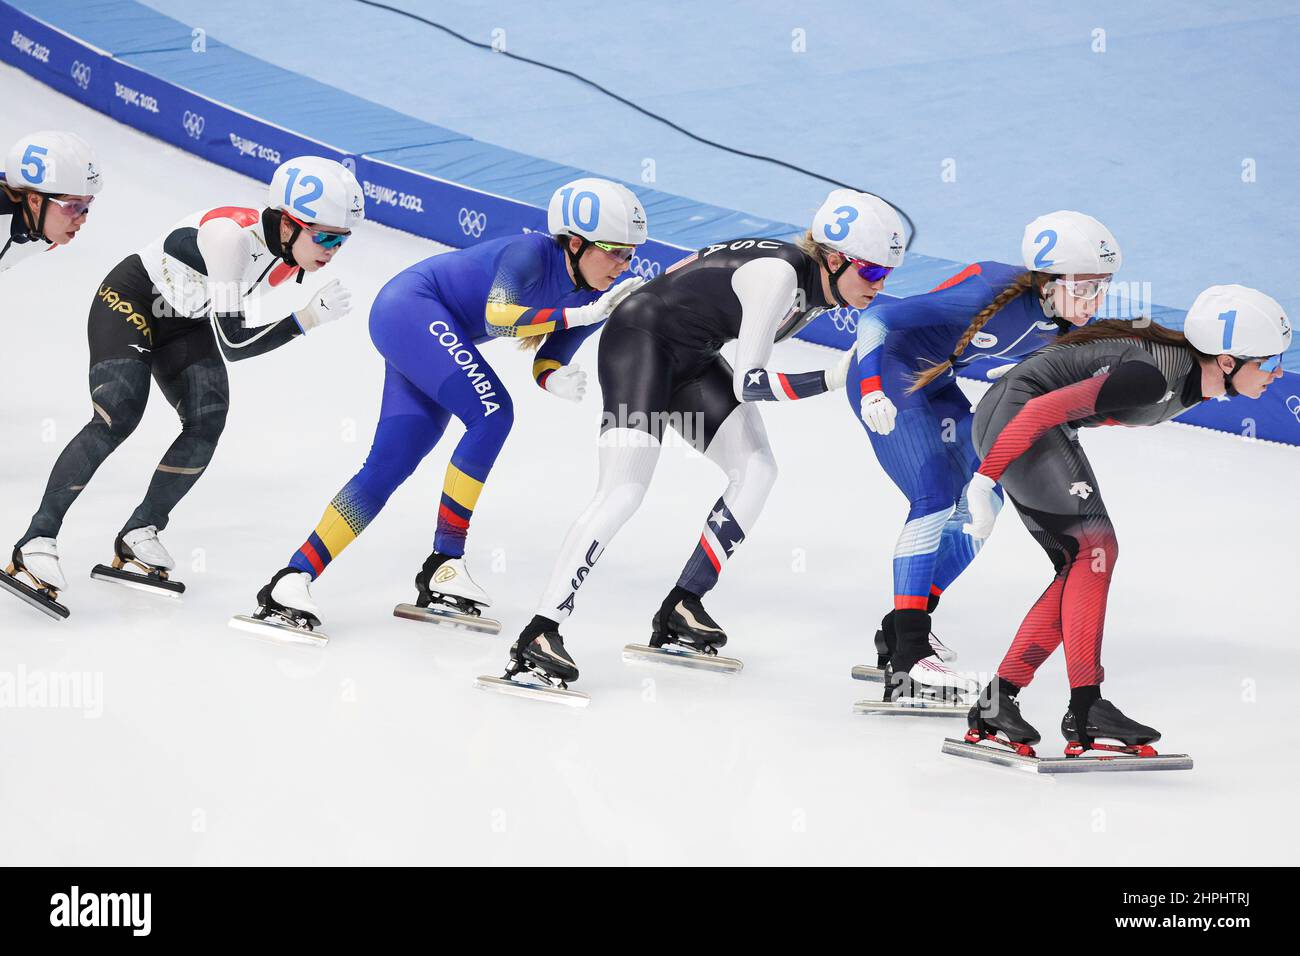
(1084, 289)
(326, 240)
(76, 208)
(1270, 364)
(619, 252)
(869, 270)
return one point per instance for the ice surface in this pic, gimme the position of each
(215, 748)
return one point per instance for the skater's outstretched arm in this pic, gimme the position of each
(520, 270)
(225, 249)
(767, 290)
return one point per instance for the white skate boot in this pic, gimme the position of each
(140, 561)
(929, 689)
(448, 595)
(286, 612)
(34, 576)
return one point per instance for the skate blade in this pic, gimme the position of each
(910, 707)
(448, 617)
(1112, 763)
(680, 657)
(278, 633)
(552, 695)
(138, 582)
(875, 675)
(33, 597)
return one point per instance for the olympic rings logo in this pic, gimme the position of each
(81, 74)
(193, 124)
(646, 268)
(472, 222)
(1293, 406)
(845, 320)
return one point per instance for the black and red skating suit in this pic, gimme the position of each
(1026, 432)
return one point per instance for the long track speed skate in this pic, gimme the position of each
(447, 595)
(19, 581)
(140, 562)
(876, 674)
(286, 613)
(683, 634)
(539, 668)
(929, 689)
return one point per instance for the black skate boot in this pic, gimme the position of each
(682, 620)
(997, 712)
(285, 611)
(1102, 720)
(446, 594)
(885, 640)
(539, 655)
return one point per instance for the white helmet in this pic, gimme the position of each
(597, 210)
(318, 191)
(1069, 243)
(862, 226)
(54, 163)
(1238, 321)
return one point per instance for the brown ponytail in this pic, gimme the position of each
(1022, 284)
(1120, 329)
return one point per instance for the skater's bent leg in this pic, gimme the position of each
(193, 377)
(1083, 604)
(1038, 637)
(741, 449)
(482, 403)
(119, 390)
(627, 463)
(410, 424)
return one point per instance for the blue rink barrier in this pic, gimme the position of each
(161, 77)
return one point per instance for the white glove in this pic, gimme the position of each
(600, 310)
(331, 301)
(568, 382)
(878, 412)
(838, 376)
(981, 498)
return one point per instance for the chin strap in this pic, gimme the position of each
(1049, 311)
(835, 282)
(580, 283)
(36, 230)
(1229, 388)
(271, 220)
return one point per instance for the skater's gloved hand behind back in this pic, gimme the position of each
(600, 310)
(331, 301)
(984, 503)
(878, 412)
(568, 382)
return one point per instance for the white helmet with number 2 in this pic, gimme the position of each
(597, 210)
(1066, 242)
(318, 191)
(54, 163)
(1238, 321)
(862, 226)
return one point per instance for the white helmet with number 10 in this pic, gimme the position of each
(597, 210)
(318, 191)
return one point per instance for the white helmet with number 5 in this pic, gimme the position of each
(54, 163)
(862, 226)
(1069, 243)
(318, 191)
(597, 210)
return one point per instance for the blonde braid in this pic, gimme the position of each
(1023, 283)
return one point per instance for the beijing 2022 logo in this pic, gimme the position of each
(193, 124)
(81, 74)
(472, 222)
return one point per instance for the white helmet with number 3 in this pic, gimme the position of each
(862, 226)
(54, 163)
(1238, 321)
(318, 191)
(597, 210)
(1069, 243)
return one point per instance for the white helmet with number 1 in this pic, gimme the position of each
(54, 163)
(1238, 321)
(1069, 243)
(597, 210)
(318, 191)
(862, 226)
